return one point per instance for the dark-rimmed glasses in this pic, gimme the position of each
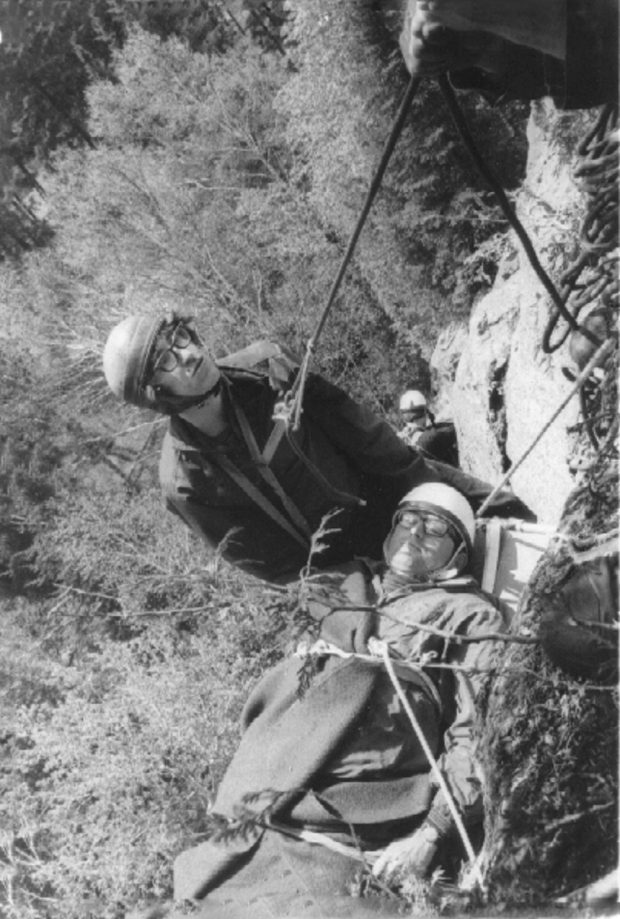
(177, 339)
(432, 525)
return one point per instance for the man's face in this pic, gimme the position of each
(419, 543)
(416, 417)
(182, 367)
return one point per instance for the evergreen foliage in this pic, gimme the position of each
(51, 50)
(108, 762)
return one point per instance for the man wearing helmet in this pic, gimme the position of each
(256, 488)
(342, 759)
(436, 440)
(414, 414)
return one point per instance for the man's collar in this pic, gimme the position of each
(388, 588)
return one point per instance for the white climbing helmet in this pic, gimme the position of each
(412, 400)
(447, 503)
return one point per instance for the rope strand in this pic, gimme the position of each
(599, 356)
(469, 849)
(297, 390)
(509, 213)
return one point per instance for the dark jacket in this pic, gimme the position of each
(439, 442)
(436, 441)
(343, 457)
(587, 78)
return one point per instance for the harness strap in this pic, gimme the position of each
(273, 441)
(266, 472)
(259, 499)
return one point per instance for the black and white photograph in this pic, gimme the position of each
(309, 459)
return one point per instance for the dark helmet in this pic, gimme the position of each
(126, 358)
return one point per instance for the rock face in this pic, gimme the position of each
(548, 738)
(493, 376)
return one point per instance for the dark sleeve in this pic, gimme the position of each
(439, 441)
(527, 74)
(368, 441)
(591, 54)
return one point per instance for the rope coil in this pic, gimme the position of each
(593, 274)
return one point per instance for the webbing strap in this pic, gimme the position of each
(277, 432)
(266, 472)
(259, 499)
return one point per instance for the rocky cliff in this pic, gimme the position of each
(491, 373)
(549, 743)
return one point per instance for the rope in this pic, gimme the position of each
(511, 217)
(321, 839)
(599, 356)
(383, 648)
(295, 396)
(410, 672)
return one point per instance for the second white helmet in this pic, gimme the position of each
(411, 400)
(446, 502)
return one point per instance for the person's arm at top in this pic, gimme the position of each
(430, 24)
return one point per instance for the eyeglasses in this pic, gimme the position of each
(432, 525)
(179, 338)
